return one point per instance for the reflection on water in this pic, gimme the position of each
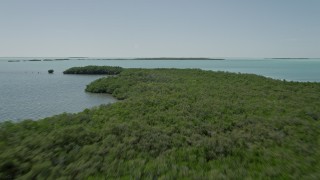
(36, 95)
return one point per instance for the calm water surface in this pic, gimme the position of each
(27, 91)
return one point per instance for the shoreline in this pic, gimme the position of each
(186, 118)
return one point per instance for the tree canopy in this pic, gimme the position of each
(108, 70)
(173, 124)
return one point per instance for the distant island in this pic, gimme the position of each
(108, 70)
(149, 58)
(163, 58)
(287, 58)
(63, 59)
(77, 57)
(34, 60)
(181, 58)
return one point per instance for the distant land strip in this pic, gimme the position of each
(162, 58)
(155, 58)
(171, 58)
(287, 58)
(78, 57)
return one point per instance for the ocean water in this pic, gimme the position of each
(27, 91)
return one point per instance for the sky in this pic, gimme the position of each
(160, 28)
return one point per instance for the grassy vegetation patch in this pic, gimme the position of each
(174, 124)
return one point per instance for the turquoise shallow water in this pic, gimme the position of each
(28, 91)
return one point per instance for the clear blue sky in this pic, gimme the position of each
(149, 28)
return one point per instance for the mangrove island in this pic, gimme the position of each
(173, 124)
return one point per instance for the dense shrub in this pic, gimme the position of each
(109, 70)
(174, 124)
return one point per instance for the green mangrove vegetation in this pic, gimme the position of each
(108, 70)
(35, 60)
(174, 124)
